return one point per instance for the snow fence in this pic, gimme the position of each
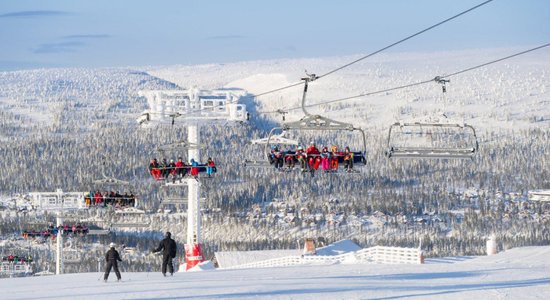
(373, 255)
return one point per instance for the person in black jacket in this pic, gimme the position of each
(112, 258)
(169, 248)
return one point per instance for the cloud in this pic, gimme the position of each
(34, 14)
(62, 47)
(86, 36)
(226, 37)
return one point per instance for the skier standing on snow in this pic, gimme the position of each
(112, 258)
(169, 248)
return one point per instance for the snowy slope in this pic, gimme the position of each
(508, 94)
(521, 273)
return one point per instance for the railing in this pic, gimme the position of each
(373, 255)
(10, 268)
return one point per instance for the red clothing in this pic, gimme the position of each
(312, 150)
(314, 158)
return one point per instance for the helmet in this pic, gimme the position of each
(112, 245)
(312, 143)
(300, 148)
(167, 234)
(171, 160)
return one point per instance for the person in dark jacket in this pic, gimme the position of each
(169, 248)
(112, 258)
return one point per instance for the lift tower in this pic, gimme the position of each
(193, 108)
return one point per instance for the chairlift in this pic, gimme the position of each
(431, 140)
(318, 123)
(71, 256)
(130, 218)
(174, 175)
(539, 195)
(278, 139)
(438, 140)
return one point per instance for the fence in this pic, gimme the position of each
(10, 268)
(373, 255)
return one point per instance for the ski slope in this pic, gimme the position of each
(521, 273)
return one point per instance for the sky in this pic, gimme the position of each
(106, 33)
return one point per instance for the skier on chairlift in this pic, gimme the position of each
(277, 157)
(165, 168)
(194, 168)
(301, 158)
(210, 167)
(180, 168)
(334, 158)
(154, 169)
(348, 160)
(172, 168)
(290, 158)
(325, 159)
(314, 160)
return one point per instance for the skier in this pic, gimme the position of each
(194, 168)
(325, 159)
(154, 169)
(334, 158)
(348, 160)
(210, 167)
(314, 160)
(301, 157)
(180, 168)
(277, 158)
(112, 258)
(169, 248)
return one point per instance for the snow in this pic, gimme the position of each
(506, 95)
(338, 248)
(227, 259)
(521, 273)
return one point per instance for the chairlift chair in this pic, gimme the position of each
(71, 256)
(431, 140)
(279, 139)
(131, 218)
(436, 140)
(179, 147)
(318, 123)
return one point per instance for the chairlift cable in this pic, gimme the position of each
(380, 50)
(405, 39)
(436, 79)
(357, 60)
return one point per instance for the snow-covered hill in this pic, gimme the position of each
(512, 94)
(521, 273)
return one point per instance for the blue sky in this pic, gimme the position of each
(113, 33)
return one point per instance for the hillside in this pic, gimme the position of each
(520, 273)
(64, 128)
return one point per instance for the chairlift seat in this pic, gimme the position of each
(420, 152)
(444, 141)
